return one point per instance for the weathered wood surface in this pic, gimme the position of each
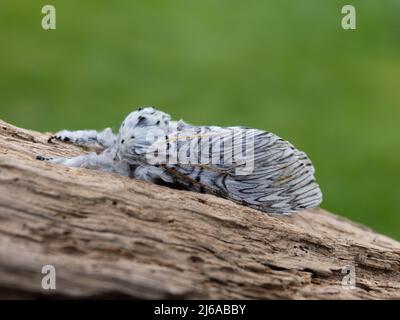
(110, 236)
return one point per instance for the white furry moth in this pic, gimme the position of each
(248, 166)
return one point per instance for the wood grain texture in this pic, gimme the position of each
(110, 236)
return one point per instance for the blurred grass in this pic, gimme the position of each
(283, 66)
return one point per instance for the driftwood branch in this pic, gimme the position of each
(110, 236)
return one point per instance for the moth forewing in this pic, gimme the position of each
(249, 166)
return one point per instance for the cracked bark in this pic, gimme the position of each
(110, 236)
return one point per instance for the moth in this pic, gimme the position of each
(251, 167)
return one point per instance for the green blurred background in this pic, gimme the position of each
(283, 66)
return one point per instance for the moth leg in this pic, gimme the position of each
(105, 138)
(103, 162)
(152, 174)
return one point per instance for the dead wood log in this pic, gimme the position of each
(110, 236)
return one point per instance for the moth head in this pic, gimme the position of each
(146, 117)
(140, 129)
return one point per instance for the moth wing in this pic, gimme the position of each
(249, 166)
